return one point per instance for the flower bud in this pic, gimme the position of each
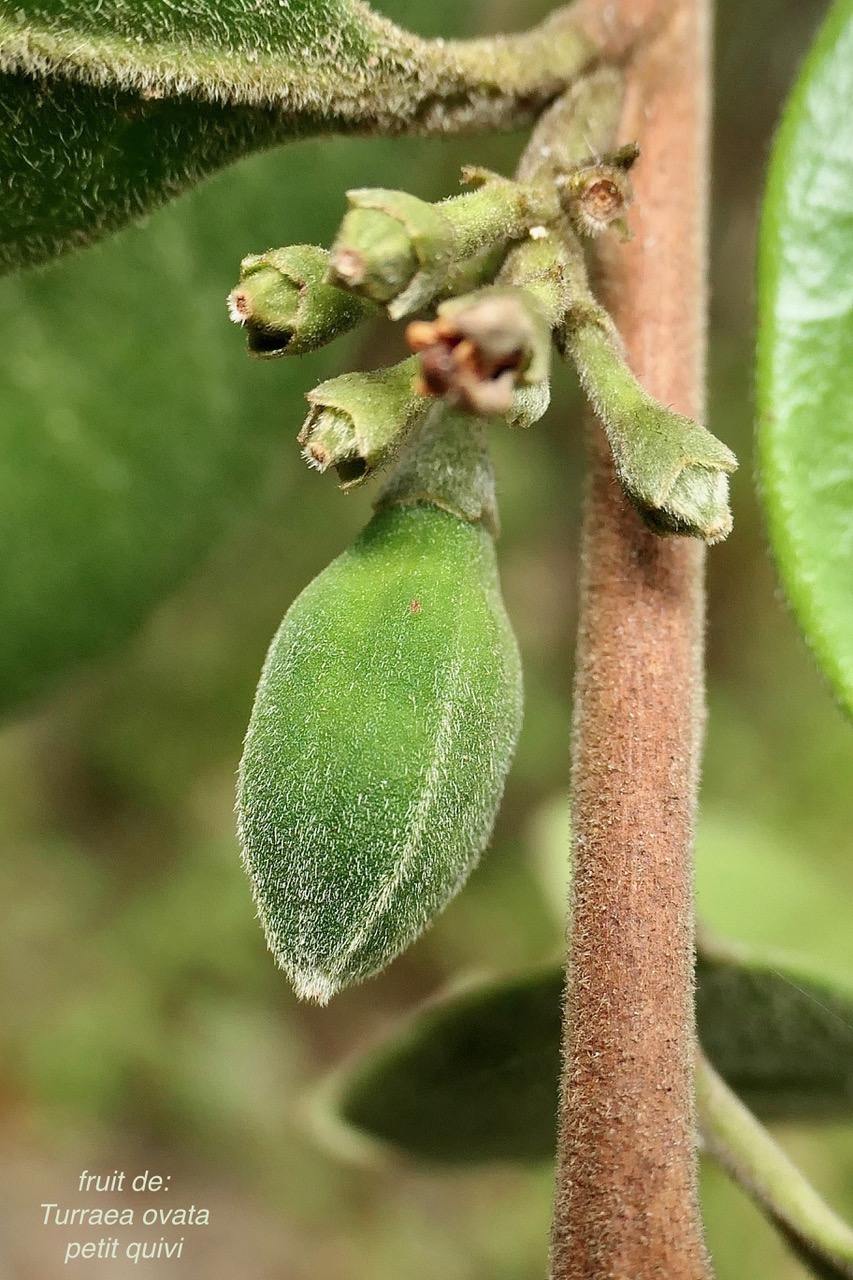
(384, 724)
(373, 255)
(671, 468)
(696, 503)
(403, 252)
(392, 248)
(285, 305)
(358, 421)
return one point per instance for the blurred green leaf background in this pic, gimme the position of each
(144, 1025)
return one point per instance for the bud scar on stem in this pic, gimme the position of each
(486, 352)
(598, 193)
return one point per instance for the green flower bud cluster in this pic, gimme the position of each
(487, 351)
(491, 356)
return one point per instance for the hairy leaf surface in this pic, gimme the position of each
(805, 391)
(108, 109)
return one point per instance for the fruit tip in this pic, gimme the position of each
(313, 985)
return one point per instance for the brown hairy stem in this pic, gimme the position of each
(626, 1205)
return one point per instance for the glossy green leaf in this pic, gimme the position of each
(475, 1077)
(805, 391)
(385, 722)
(108, 109)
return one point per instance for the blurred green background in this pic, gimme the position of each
(144, 1025)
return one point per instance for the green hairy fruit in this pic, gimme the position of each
(385, 721)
